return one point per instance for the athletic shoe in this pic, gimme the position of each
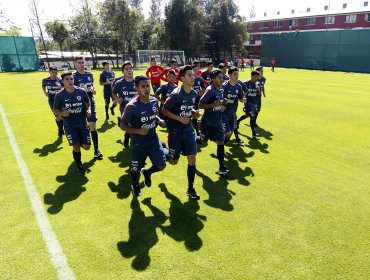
(192, 193)
(80, 169)
(136, 190)
(126, 141)
(223, 171)
(255, 135)
(98, 154)
(239, 142)
(147, 177)
(112, 110)
(198, 139)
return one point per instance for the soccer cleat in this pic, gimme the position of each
(136, 190)
(147, 177)
(255, 135)
(80, 169)
(192, 193)
(239, 142)
(223, 171)
(126, 142)
(112, 110)
(98, 154)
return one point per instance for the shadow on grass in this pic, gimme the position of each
(255, 144)
(185, 223)
(49, 148)
(123, 187)
(106, 126)
(70, 190)
(143, 234)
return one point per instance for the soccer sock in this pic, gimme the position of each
(191, 176)
(195, 125)
(252, 124)
(106, 109)
(60, 124)
(94, 137)
(135, 177)
(153, 169)
(255, 119)
(221, 154)
(242, 118)
(236, 133)
(226, 140)
(114, 106)
(77, 157)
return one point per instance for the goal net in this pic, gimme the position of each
(163, 58)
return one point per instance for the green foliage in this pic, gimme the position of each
(11, 31)
(58, 32)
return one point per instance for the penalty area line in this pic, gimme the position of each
(57, 256)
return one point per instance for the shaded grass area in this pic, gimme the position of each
(296, 204)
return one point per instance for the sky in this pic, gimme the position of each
(18, 11)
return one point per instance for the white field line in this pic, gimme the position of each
(58, 258)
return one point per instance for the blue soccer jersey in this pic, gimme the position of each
(212, 116)
(126, 91)
(52, 87)
(85, 80)
(107, 76)
(198, 85)
(141, 115)
(232, 93)
(73, 102)
(226, 78)
(251, 92)
(181, 104)
(164, 91)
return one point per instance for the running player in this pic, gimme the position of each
(51, 85)
(73, 105)
(206, 75)
(123, 91)
(179, 109)
(140, 120)
(153, 73)
(196, 68)
(106, 80)
(173, 66)
(211, 125)
(199, 87)
(251, 106)
(223, 69)
(165, 90)
(262, 82)
(85, 79)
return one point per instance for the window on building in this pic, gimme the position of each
(351, 18)
(366, 3)
(278, 23)
(293, 22)
(264, 24)
(292, 11)
(367, 17)
(308, 10)
(264, 14)
(311, 21)
(278, 13)
(330, 20)
(326, 7)
(344, 5)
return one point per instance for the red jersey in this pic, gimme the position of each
(155, 73)
(251, 61)
(163, 75)
(273, 62)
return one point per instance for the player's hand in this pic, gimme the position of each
(120, 100)
(195, 114)
(93, 90)
(162, 123)
(88, 113)
(244, 100)
(223, 108)
(46, 93)
(184, 120)
(84, 87)
(224, 102)
(65, 113)
(144, 131)
(218, 103)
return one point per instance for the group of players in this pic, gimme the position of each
(71, 99)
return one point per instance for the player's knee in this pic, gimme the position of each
(86, 147)
(161, 167)
(173, 161)
(228, 134)
(92, 126)
(192, 160)
(76, 148)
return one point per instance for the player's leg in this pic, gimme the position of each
(107, 97)
(226, 127)
(189, 149)
(158, 159)
(138, 156)
(218, 135)
(94, 133)
(155, 87)
(174, 146)
(236, 132)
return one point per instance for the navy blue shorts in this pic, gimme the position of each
(140, 151)
(228, 122)
(181, 141)
(93, 117)
(155, 87)
(107, 97)
(251, 109)
(77, 135)
(259, 102)
(213, 133)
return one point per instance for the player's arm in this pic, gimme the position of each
(127, 117)
(148, 72)
(168, 105)
(116, 98)
(57, 108)
(158, 93)
(45, 91)
(204, 101)
(163, 75)
(88, 105)
(103, 80)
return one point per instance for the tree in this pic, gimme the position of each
(58, 32)
(11, 31)
(136, 4)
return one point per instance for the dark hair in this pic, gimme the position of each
(259, 69)
(152, 58)
(105, 63)
(68, 73)
(79, 57)
(209, 63)
(196, 62)
(254, 73)
(127, 62)
(221, 65)
(232, 69)
(173, 61)
(184, 69)
(140, 78)
(52, 67)
(171, 71)
(214, 73)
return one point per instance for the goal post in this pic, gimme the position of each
(163, 57)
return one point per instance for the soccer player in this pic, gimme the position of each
(251, 63)
(173, 66)
(211, 125)
(140, 120)
(123, 92)
(251, 106)
(165, 90)
(73, 105)
(273, 64)
(51, 85)
(196, 68)
(233, 92)
(179, 109)
(106, 80)
(85, 79)
(206, 75)
(153, 73)
(262, 82)
(199, 87)
(243, 64)
(223, 69)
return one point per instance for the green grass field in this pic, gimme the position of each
(296, 205)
